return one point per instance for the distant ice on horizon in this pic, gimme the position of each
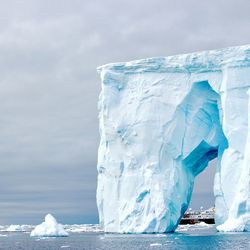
(70, 228)
(14, 228)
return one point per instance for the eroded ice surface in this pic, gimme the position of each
(49, 228)
(161, 121)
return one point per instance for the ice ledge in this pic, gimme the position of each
(195, 62)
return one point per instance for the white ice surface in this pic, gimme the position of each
(81, 228)
(70, 228)
(14, 228)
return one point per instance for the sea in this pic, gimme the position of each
(198, 236)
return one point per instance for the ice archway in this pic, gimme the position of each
(161, 121)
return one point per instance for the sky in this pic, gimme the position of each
(49, 88)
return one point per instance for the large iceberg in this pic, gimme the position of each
(161, 121)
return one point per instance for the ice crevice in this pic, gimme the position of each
(161, 121)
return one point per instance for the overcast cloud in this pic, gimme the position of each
(49, 88)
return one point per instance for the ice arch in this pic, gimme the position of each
(161, 121)
(200, 109)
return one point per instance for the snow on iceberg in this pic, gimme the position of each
(49, 228)
(161, 121)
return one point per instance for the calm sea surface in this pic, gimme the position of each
(186, 238)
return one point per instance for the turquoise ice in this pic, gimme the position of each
(161, 121)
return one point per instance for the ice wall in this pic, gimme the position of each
(161, 121)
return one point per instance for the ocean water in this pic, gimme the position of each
(186, 237)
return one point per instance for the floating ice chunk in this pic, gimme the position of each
(232, 225)
(79, 228)
(49, 228)
(14, 228)
(155, 244)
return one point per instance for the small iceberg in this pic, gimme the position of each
(49, 228)
(14, 228)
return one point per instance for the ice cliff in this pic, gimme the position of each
(161, 121)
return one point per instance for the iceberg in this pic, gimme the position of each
(161, 121)
(14, 228)
(49, 228)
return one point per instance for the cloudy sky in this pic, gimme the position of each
(49, 88)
